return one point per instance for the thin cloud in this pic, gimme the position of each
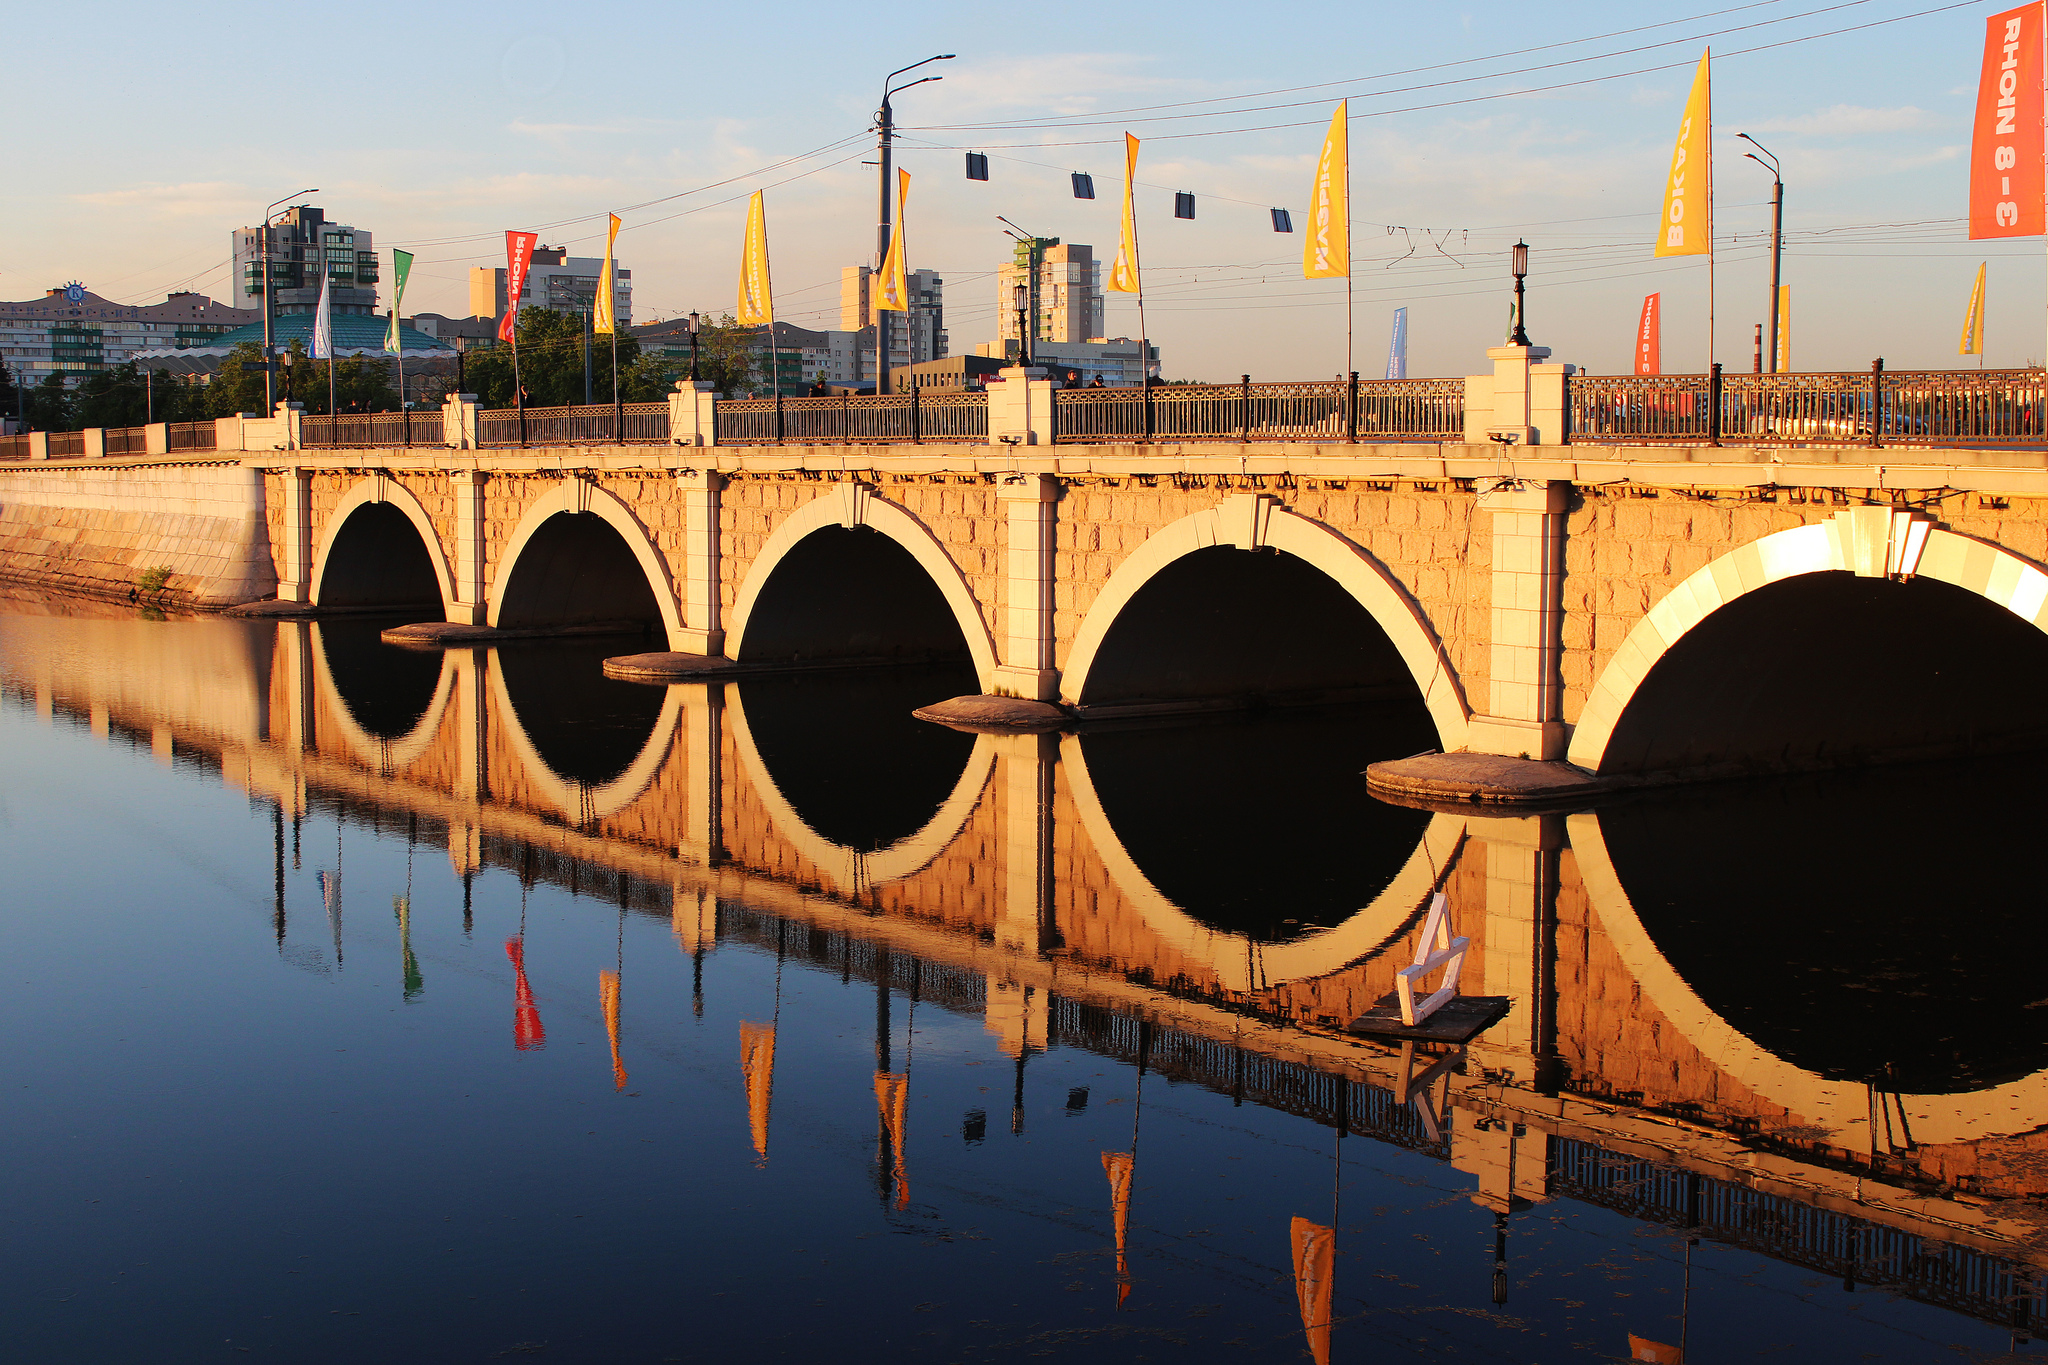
(1850, 120)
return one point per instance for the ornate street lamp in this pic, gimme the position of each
(1020, 299)
(1520, 266)
(693, 347)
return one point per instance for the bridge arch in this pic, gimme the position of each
(384, 753)
(1845, 1108)
(1241, 964)
(847, 507)
(594, 574)
(1863, 542)
(1251, 521)
(851, 870)
(367, 559)
(582, 802)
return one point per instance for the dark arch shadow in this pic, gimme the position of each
(576, 570)
(845, 752)
(585, 727)
(851, 593)
(1248, 627)
(386, 689)
(378, 560)
(1871, 927)
(1249, 822)
(1830, 670)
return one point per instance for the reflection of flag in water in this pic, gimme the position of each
(401, 906)
(527, 1033)
(608, 996)
(330, 896)
(1117, 1165)
(757, 1063)
(1315, 1248)
(892, 1096)
(1656, 1352)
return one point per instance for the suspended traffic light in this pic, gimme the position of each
(977, 166)
(1084, 185)
(1183, 206)
(1283, 221)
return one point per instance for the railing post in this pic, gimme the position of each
(1714, 405)
(1244, 407)
(916, 414)
(1877, 401)
(778, 417)
(1149, 427)
(1351, 409)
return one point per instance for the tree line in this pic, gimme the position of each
(551, 366)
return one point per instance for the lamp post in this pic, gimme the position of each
(694, 320)
(885, 127)
(1777, 236)
(1520, 265)
(1020, 299)
(269, 352)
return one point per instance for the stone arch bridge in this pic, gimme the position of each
(1641, 613)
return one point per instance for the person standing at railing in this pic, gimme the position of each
(1073, 379)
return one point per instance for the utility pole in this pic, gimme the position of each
(1777, 236)
(269, 351)
(885, 128)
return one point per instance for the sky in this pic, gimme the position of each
(438, 127)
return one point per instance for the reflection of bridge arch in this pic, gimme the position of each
(382, 754)
(1240, 963)
(851, 505)
(1251, 522)
(849, 869)
(578, 800)
(573, 496)
(1976, 566)
(1843, 1107)
(372, 491)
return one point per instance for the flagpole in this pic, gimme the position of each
(1710, 216)
(405, 413)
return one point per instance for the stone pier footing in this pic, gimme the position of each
(995, 715)
(673, 666)
(457, 634)
(1467, 779)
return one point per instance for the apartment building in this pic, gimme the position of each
(914, 337)
(74, 332)
(555, 280)
(1066, 300)
(305, 251)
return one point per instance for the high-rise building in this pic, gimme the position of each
(556, 280)
(305, 249)
(924, 336)
(1067, 303)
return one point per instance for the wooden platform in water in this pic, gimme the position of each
(1459, 1021)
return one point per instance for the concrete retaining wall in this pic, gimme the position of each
(98, 530)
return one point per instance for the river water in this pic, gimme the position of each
(366, 1004)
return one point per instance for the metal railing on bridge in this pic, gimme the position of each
(582, 425)
(67, 445)
(14, 448)
(126, 440)
(1327, 410)
(189, 436)
(919, 415)
(1909, 407)
(362, 429)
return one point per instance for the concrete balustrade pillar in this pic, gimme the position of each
(291, 434)
(295, 584)
(39, 445)
(1525, 687)
(471, 581)
(1030, 505)
(95, 443)
(693, 413)
(1020, 407)
(458, 421)
(703, 610)
(156, 439)
(1523, 400)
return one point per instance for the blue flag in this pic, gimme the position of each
(1397, 352)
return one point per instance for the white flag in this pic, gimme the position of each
(323, 326)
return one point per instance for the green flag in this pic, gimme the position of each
(401, 266)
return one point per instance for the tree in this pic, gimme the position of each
(726, 355)
(234, 389)
(49, 406)
(125, 397)
(551, 365)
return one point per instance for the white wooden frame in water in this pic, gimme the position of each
(1435, 949)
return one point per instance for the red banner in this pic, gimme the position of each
(1650, 338)
(2006, 181)
(518, 256)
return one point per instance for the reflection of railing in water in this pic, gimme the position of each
(1854, 1250)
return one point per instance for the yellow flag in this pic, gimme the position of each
(1687, 227)
(757, 300)
(606, 317)
(1123, 274)
(1973, 321)
(1118, 1166)
(608, 999)
(1327, 252)
(892, 1095)
(757, 1064)
(1782, 348)
(894, 292)
(1315, 1248)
